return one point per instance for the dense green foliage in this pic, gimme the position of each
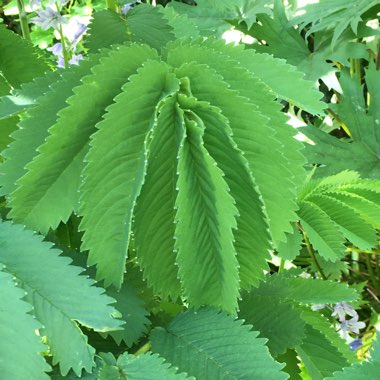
(159, 218)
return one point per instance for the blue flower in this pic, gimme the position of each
(355, 344)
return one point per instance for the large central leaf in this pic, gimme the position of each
(205, 218)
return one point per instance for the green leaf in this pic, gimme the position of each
(251, 236)
(324, 326)
(154, 226)
(304, 291)
(205, 218)
(55, 172)
(143, 23)
(320, 357)
(290, 249)
(147, 366)
(206, 85)
(335, 15)
(368, 210)
(19, 341)
(51, 93)
(361, 151)
(27, 95)
(221, 58)
(116, 169)
(107, 28)
(19, 61)
(49, 288)
(181, 24)
(133, 312)
(211, 345)
(352, 226)
(146, 24)
(280, 322)
(321, 231)
(364, 370)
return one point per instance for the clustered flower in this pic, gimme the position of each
(348, 322)
(70, 30)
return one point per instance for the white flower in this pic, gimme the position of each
(48, 18)
(35, 4)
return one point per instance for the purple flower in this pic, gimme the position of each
(355, 344)
(343, 308)
(351, 326)
(75, 59)
(49, 18)
(73, 31)
(126, 7)
(56, 49)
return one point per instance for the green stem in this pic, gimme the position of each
(23, 20)
(63, 43)
(143, 349)
(282, 266)
(111, 5)
(64, 48)
(371, 272)
(312, 255)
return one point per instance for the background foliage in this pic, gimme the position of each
(161, 216)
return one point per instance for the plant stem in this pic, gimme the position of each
(282, 266)
(145, 348)
(23, 20)
(371, 272)
(63, 43)
(312, 255)
(111, 5)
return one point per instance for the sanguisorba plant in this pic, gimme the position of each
(176, 159)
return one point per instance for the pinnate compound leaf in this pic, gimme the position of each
(48, 289)
(20, 347)
(251, 235)
(289, 170)
(210, 345)
(116, 169)
(335, 15)
(55, 172)
(361, 151)
(154, 226)
(321, 231)
(351, 225)
(205, 219)
(251, 132)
